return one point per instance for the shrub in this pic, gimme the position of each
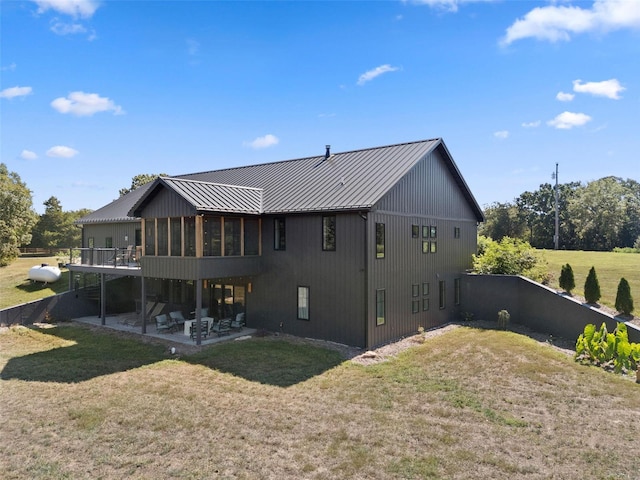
(592, 287)
(611, 351)
(567, 281)
(509, 256)
(503, 319)
(624, 301)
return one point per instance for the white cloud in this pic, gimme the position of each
(61, 28)
(501, 134)
(564, 97)
(15, 92)
(28, 155)
(447, 5)
(568, 120)
(531, 124)
(61, 151)
(193, 46)
(85, 104)
(263, 142)
(558, 22)
(373, 73)
(74, 8)
(10, 68)
(607, 88)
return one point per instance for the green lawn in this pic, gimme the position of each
(610, 267)
(16, 288)
(470, 403)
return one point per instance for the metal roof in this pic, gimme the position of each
(345, 181)
(206, 196)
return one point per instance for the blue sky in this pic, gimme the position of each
(93, 93)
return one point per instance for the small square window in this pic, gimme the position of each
(456, 232)
(415, 306)
(433, 233)
(434, 247)
(415, 231)
(415, 290)
(425, 288)
(425, 246)
(425, 231)
(425, 304)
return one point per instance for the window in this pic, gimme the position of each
(175, 229)
(425, 246)
(108, 242)
(379, 240)
(425, 304)
(251, 236)
(232, 235)
(434, 247)
(380, 307)
(150, 236)
(163, 236)
(212, 231)
(433, 231)
(425, 289)
(415, 290)
(91, 242)
(189, 236)
(456, 291)
(415, 306)
(415, 231)
(456, 232)
(279, 236)
(443, 291)
(329, 233)
(425, 231)
(303, 303)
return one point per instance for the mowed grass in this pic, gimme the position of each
(470, 403)
(610, 268)
(16, 288)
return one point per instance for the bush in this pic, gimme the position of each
(567, 281)
(624, 301)
(611, 351)
(592, 287)
(503, 319)
(509, 256)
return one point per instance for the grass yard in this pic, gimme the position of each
(470, 403)
(610, 268)
(16, 288)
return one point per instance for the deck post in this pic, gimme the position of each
(103, 299)
(143, 303)
(198, 311)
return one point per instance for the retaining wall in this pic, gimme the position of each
(531, 304)
(63, 306)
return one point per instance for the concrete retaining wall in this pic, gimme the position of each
(63, 306)
(538, 307)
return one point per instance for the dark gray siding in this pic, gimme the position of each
(167, 203)
(192, 268)
(117, 231)
(427, 196)
(335, 280)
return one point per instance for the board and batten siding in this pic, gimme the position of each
(335, 280)
(427, 196)
(122, 234)
(167, 203)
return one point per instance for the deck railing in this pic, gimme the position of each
(108, 257)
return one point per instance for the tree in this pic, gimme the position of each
(141, 179)
(16, 215)
(56, 228)
(510, 256)
(624, 300)
(567, 281)
(592, 287)
(502, 220)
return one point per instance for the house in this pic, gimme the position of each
(359, 247)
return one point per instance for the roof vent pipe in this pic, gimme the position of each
(328, 152)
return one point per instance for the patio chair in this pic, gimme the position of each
(204, 329)
(238, 323)
(177, 318)
(223, 327)
(165, 324)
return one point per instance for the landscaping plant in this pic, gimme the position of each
(611, 351)
(624, 300)
(592, 287)
(567, 282)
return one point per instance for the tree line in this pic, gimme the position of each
(600, 215)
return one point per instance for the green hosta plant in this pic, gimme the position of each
(611, 351)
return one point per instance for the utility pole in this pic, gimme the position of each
(556, 237)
